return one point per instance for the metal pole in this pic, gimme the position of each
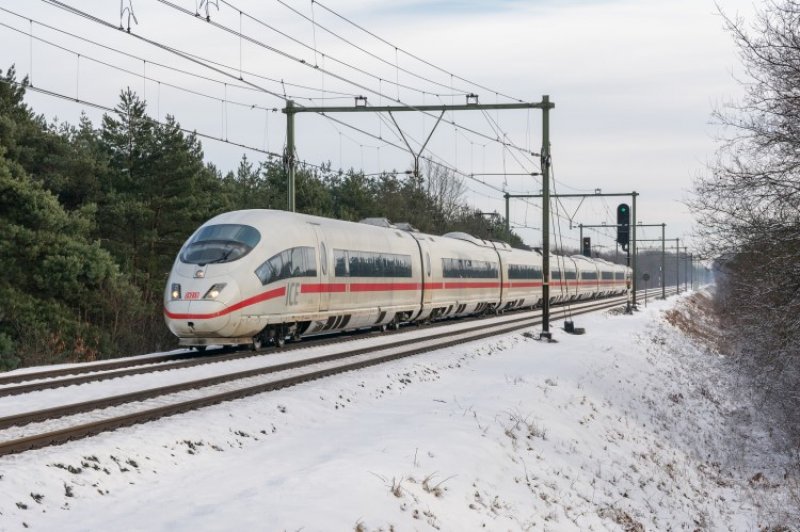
(508, 222)
(678, 264)
(685, 268)
(691, 270)
(663, 264)
(633, 246)
(545, 164)
(580, 226)
(289, 156)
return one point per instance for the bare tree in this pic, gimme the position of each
(445, 189)
(754, 189)
(749, 210)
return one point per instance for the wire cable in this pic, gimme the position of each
(323, 6)
(209, 64)
(365, 51)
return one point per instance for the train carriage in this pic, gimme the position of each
(523, 273)
(588, 277)
(606, 271)
(373, 276)
(463, 275)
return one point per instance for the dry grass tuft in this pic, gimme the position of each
(696, 318)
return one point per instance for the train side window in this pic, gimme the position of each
(323, 258)
(340, 263)
(465, 268)
(292, 262)
(370, 264)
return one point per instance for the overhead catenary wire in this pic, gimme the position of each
(186, 56)
(101, 107)
(367, 52)
(211, 65)
(409, 54)
(311, 48)
(331, 73)
(144, 77)
(203, 62)
(340, 95)
(280, 52)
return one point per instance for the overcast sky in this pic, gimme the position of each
(634, 84)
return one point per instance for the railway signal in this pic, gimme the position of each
(623, 225)
(586, 250)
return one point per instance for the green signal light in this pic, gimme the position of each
(623, 209)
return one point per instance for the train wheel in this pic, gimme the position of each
(257, 343)
(383, 328)
(280, 341)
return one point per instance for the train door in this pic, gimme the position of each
(426, 274)
(427, 279)
(325, 270)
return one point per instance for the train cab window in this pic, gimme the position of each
(293, 262)
(220, 243)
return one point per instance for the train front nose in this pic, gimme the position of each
(197, 318)
(193, 317)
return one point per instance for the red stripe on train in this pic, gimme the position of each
(383, 287)
(450, 286)
(319, 288)
(316, 288)
(264, 296)
(524, 284)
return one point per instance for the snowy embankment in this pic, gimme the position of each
(628, 427)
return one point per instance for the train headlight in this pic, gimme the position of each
(176, 291)
(214, 291)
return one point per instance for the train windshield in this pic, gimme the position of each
(220, 243)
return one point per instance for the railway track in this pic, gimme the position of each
(95, 372)
(198, 393)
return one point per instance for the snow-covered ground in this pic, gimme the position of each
(628, 427)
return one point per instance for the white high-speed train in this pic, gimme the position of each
(257, 276)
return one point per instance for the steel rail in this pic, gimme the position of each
(96, 404)
(95, 427)
(81, 374)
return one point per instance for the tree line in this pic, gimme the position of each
(92, 218)
(748, 205)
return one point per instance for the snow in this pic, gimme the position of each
(628, 427)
